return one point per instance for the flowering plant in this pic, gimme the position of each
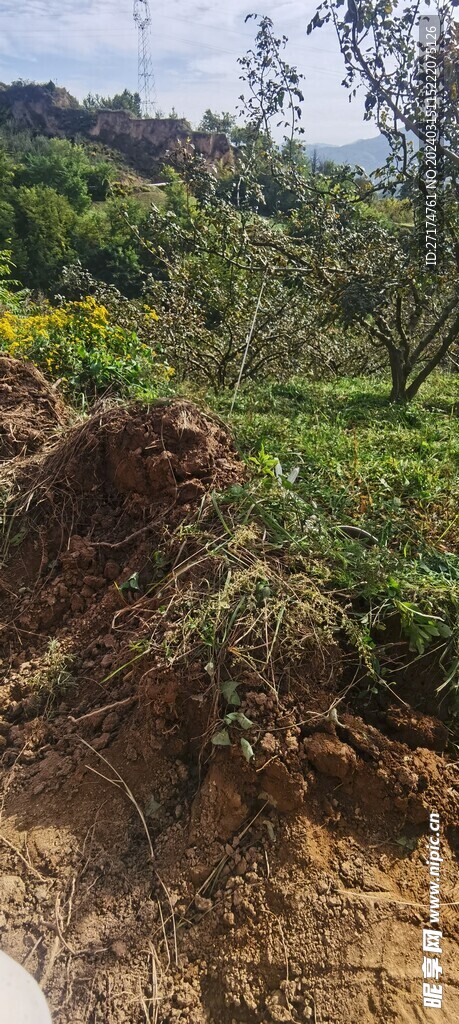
(79, 344)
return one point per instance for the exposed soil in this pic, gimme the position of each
(291, 888)
(29, 408)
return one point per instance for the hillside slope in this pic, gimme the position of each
(146, 144)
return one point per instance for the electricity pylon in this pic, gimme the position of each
(146, 78)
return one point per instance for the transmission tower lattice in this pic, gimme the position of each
(146, 78)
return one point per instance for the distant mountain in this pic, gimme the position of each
(366, 153)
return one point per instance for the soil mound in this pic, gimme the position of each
(30, 410)
(104, 495)
(155, 869)
(169, 451)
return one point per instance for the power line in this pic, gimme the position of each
(146, 78)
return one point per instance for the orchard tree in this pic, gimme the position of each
(274, 87)
(271, 100)
(407, 306)
(378, 40)
(327, 268)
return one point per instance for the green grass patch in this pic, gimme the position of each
(392, 471)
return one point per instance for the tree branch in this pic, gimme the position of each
(434, 330)
(449, 340)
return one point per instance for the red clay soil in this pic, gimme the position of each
(148, 876)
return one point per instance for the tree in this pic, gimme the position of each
(274, 85)
(414, 314)
(326, 168)
(272, 99)
(378, 42)
(7, 172)
(294, 153)
(98, 179)
(105, 240)
(224, 122)
(66, 168)
(7, 221)
(43, 225)
(125, 100)
(60, 165)
(215, 274)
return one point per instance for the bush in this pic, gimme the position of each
(62, 166)
(42, 244)
(108, 247)
(80, 345)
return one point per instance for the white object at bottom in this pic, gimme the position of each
(21, 999)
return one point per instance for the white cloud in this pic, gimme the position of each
(92, 45)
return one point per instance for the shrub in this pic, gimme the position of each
(44, 221)
(79, 344)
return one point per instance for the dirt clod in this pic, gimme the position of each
(330, 756)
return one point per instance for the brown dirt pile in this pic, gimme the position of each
(292, 888)
(30, 409)
(107, 491)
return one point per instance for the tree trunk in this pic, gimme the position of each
(399, 375)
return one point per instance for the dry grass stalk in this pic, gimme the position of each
(123, 786)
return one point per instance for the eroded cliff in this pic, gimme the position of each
(146, 144)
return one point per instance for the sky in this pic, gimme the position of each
(91, 46)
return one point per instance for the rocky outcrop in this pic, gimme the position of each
(146, 144)
(42, 109)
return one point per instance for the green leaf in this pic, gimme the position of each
(229, 691)
(221, 739)
(393, 584)
(132, 583)
(246, 749)
(240, 718)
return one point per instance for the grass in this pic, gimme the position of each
(259, 586)
(280, 569)
(392, 470)
(54, 677)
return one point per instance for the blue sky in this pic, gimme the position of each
(91, 46)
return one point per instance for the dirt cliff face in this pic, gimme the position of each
(39, 108)
(145, 143)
